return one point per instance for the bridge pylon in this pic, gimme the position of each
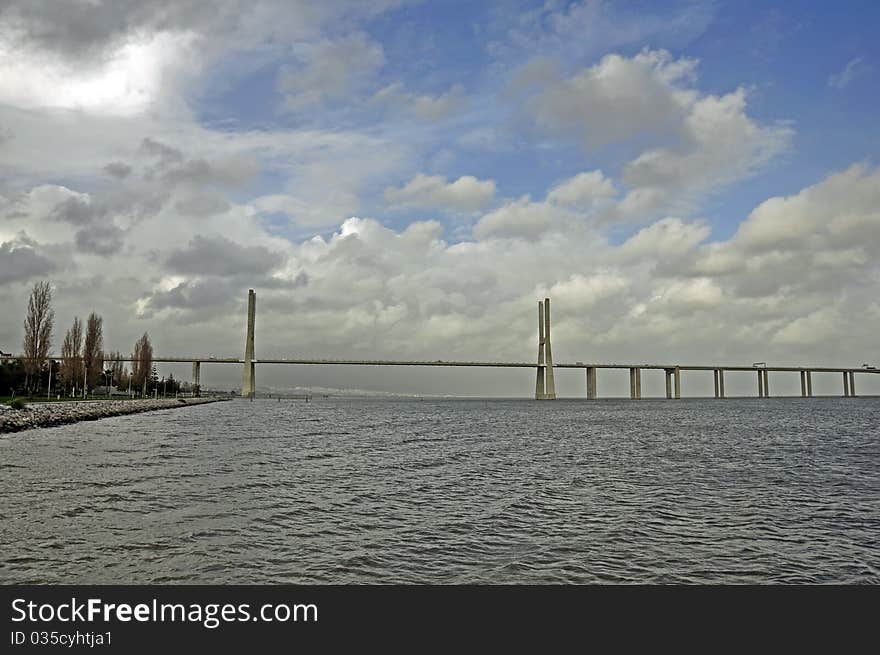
(248, 383)
(545, 387)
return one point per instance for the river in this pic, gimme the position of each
(450, 491)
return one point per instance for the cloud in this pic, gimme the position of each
(131, 79)
(430, 108)
(708, 141)
(573, 204)
(118, 169)
(221, 256)
(329, 71)
(719, 144)
(854, 68)
(582, 190)
(618, 98)
(20, 260)
(465, 194)
(519, 218)
(104, 239)
(202, 204)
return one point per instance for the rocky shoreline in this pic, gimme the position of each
(42, 415)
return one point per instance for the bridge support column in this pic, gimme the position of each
(635, 383)
(803, 384)
(196, 378)
(667, 373)
(248, 384)
(717, 384)
(852, 384)
(539, 382)
(809, 383)
(721, 383)
(766, 383)
(760, 383)
(677, 378)
(591, 383)
(545, 387)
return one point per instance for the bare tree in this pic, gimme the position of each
(37, 332)
(142, 362)
(93, 350)
(71, 356)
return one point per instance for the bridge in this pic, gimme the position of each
(545, 387)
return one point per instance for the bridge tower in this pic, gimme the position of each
(545, 387)
(248, 384)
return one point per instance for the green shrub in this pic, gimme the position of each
(18, 403)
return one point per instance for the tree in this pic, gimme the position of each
(37, 332)
(142, 362)
(71, 356)
(93, 351)
(118, 372)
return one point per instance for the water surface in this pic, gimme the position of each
(380, 491)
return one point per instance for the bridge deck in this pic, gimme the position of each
(479, 364)
(581, 365)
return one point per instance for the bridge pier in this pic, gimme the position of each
(591, 383)
(667, 373)
(809, 383)
(248, 384)
(677, 378)
(545, 387)
(849, 384)
(760, 384)
(766, 383)
(718, 374)
(196, 378)
(635, 383)
(803, 384)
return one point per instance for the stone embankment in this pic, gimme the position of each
(41, 415)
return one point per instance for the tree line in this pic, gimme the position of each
(83, 365)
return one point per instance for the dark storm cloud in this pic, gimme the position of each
(118, 169)
(200, 172)
(19, 260)
(76, 211)
(196, 295)
(174, 169)
(166, 154)
(100, 239)
(136, 203)
(85, 29)
(220, 256)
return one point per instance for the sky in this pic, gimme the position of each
(689, 181)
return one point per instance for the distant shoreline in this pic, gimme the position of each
(44, 415)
